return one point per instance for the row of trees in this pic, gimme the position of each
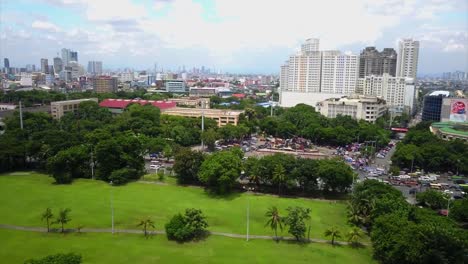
(402, 233)
(62, 218)
(421, 149)
(279, 173)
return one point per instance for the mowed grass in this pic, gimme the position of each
(24, 197)
(17, 246)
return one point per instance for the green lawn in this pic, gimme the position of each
(18, 246)
(25, 195)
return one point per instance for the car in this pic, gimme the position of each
(154, 166)
(448, 191)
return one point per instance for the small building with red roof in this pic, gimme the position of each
(116, 106)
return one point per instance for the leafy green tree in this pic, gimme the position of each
(433, 199)
(209, 138)
(70, 164)
(296, 221)
(459, 211)
(274, 220)
(334, 233)
(336, 175)
(187, 164)
(191, 225)
(279, 176)
(145, 224)
(63, 218)
(220, 171)
(69, 258)
(47, 215)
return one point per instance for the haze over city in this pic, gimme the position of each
(234, 36)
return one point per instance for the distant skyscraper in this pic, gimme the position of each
(6, 63)
(58, 65)
(407, 61)
(95, 67)
(44, 66)
(373, 62)
(68, 55)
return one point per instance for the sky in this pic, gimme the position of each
(238, 36)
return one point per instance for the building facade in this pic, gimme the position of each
(105, 84)
(454, 109)
(432, 106)
(221, 116)
(373, 62)
(175, 86)
(45, 66)
(59, 108)
(367, 108)
(398, 92)
(407, 60)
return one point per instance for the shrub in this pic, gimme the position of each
(123, 175)
(70, 258)
(192, 225)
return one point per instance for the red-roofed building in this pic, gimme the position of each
(239, 95)
(117, 106)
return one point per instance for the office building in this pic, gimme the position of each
(373, 62)
(95, 67)
(398, 92)
(407, 59)
(59, 108)
(74, 56)
(68, 56)
(202, 91)
(311, 76)
(126, 77)
(26, 79)
(45, 66)
(175, 86)
(58, 65)
(359, 107)
(6, 63)
(432, 105)
(221, 116)
(105, 84)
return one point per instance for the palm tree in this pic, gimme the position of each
(63, 218)
(354, 216)
(354, 235)
(274, 220)
(47, 215)
(279, 176)
(333, 233)
(146, 223)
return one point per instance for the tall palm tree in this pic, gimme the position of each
(47, 215)
(279, 176)
(354, 235)
(333, 233)
(274, 220)
(354, 215)
(63, 218)
(146, 223)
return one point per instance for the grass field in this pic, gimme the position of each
(25, 195)
(18, 246)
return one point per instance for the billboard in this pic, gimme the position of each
(458, 110)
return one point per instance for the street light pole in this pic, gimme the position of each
(248, 218)
(112, 209)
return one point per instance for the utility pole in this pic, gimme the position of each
(21, 115)
(271, 106)
(203, 124)
(92, 166)
(112, 209)
(248, 212)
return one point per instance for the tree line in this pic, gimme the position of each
(403, 233)
(422, 149)
(278, 173)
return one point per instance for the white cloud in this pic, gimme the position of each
(45, 25)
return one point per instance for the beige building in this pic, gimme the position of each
(367, 108)
(222, 117)
(193, 102)
(105, 84)
(60, 108)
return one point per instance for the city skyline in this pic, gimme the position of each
(227, 35)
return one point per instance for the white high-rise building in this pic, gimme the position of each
(312, 76)
(310, 45)
(399, 92)
(407, 59)
(66, 58)
(339, 72)
(126, 77)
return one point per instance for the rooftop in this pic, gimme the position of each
(452, 127)
(438, 93)
(123, 103)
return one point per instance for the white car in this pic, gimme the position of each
(155, 167)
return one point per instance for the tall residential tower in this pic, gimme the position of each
(407, 61)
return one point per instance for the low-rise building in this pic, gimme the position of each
(367, 108)
(221, 116)
(175, 86)
(193, 102)
(60, 108)
(202, 92)
(7, 106)
(117, 106)
(450, 130)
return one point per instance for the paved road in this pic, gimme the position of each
(136, 231)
